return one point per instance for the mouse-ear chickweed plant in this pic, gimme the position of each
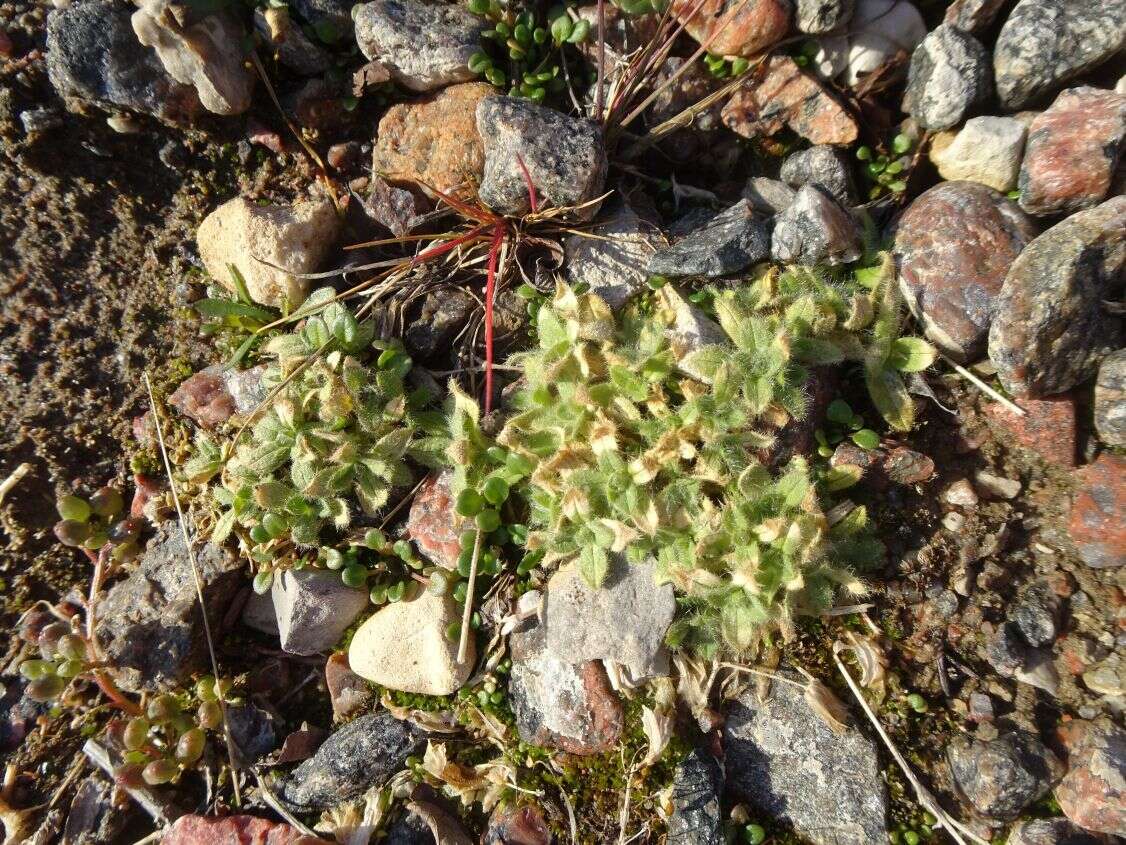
(642, 448)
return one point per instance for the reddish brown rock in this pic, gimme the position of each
(745, 27)
(523, 825)
(1093, 793)
(884, 466)
(1073, 151)
(433, 523)
(204, 398)
(953, 247)
(973, 15)
(1098, 514)
(1048, 427)
(787, 96)
(234, 830)
(434, 140)
(348, 691)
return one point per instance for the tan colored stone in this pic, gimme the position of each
(744, 28)
(244, 234)
(433, 141)
(404, 647)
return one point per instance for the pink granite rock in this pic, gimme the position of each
(743, 31)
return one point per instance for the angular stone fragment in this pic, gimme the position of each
(313, 609)
(1051, 832)
(557, 704)
(787, 96)
(1046, 43)
(1051, 330)
(93, 56)
(424, 46)
(364, 753)
(206, 53)
(1098, 514)
(623, 621)
(404, 646)
(433, 141)
(826, 784)
(1110, 400)
(815, 229)
(1002, 777)
(729, 242)
(953, 248)
(1093, 793)
(348, 691)
(564, 156)
(248, 235)
(612, 263)
(949, 76)
(768, 196)
(987, 150)
(821, 165)
(1073, 151)
(744, 28)
(150, 627)
(697, 793)
(1047, 427)
(433, 524)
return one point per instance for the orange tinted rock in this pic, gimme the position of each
(755, 26)
(234, 830)
(433, 140)
(1047, 429)
(433, 523)
(1098, 515)
(787, 96)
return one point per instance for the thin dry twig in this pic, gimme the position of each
(467, 615)
(188, 544)
(13, 479)
(983, 387)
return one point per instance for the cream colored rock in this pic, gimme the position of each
(296, 238)
(404, 647)
(987, 150)
(206, 53)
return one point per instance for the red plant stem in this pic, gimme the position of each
(442, 249)
(533, 201)
(490, 292)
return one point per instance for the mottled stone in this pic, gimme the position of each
(207, 54)
(1046, 43)
(783, 760)
(364, 753)
(987, 150)
(150, 627)
(623, 621)
(949, 75)
(1073, 151)
(816, 17)
(518, 825)
(564, 156)
(697, 793)
(882, 467)
(787, 96)
(433, 524)
(433, 141)
(973, 16)
(293, 238)
(234, 830)
(1051, 329)
(93, 56)
(1051, 832)
(815, 229)
(1093, 793)
(821, 165)
(611, 263)
(727, 243)
(745, 28)
(404, 646)
(1110, 400)
(1036, 614)
(557, 704)
(1002, 777)
(424, 46)
(1048, 427)
(1098, 514)
(289, 42)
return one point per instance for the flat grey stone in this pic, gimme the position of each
(730, 241)
(313, 609)
(613, 262)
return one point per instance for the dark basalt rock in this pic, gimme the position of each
(727, 243)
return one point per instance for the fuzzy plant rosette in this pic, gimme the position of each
(636, 443)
